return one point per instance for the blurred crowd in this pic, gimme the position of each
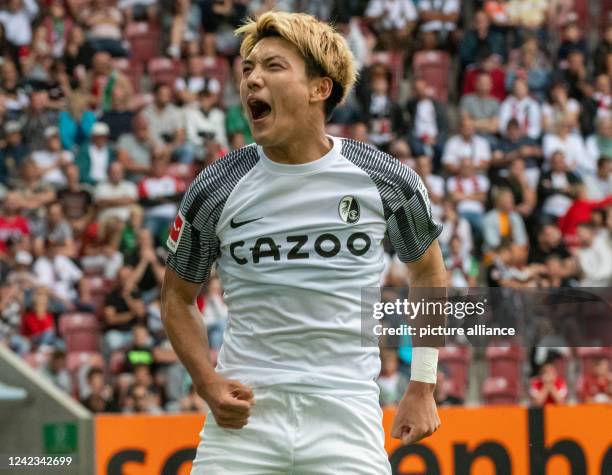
(108, 109)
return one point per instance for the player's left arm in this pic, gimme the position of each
(417, 414)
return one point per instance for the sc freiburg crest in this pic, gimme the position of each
(349, 209)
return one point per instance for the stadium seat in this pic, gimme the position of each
(144, 41)
(80, 332)
(457, 359)
(590, 355)
(163, 70)
(434, 67)
(499, 390)
(505, 362)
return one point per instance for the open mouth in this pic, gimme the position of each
(259, 109)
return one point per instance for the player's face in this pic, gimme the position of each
(275, 91)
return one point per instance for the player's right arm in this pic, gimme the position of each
(229, 401)
(193, 248)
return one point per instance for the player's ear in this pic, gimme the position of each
(321, 89)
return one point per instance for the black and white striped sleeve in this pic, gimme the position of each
(410, 225)
(193, 241)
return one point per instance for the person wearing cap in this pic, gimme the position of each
(94, 158)
(206, 121)
(51, 160)
(13, 153)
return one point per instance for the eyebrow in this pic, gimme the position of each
(250, 62)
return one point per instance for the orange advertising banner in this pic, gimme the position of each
(565, 440)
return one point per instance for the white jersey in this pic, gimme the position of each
(295, 245)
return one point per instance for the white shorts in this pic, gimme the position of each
(298, 434)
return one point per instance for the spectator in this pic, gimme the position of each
(96, 395)
(469, 191)
(189, 86)
(461, 268)
(140, 353)
(123, 309)
(77, 53)
(439, 17)
(391, 382)
(76, 200)
(76, 122)
(603, 49)
(400, 149)
(143, 401)
(215, 314)
(103, 21)
(37, 324)
(17, 22)
(13, 153)
(548, 387)
(190, 403)
(51, 160)
(516, 146)
(206, 121)
(530, 64)
(572, 146)
(11, 309)
(382, 114)
(166, 123)
(600, 144)
(597, 383)
(483, 108)
(58, 25)
(115, 196)
(135, 149)
(594, 257)
(523, 108)
(599, 186)
(572, 40)
(549, 244)
(466, 146)
(13, 225)
(138, 10)
(100, 81)
(57, 372)
(576, 75)
(148, 272)
(556, 187)
(560, 108)
(481, 41)
(120, 115)
(580, 211)
(503, 224)
(522, 189)
(94, 158)
(160, 194)
(428, 124)
(37, 119)
(16, 100)
(454, 226)
(392, 20)
(58, 230)
(488, 64)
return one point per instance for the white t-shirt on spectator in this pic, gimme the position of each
(108, 190)
(214, 122)
(435, 186)
(395, 13)
(457, 148)
(557, 204)
(443, 6)
(159, 187)
(573, 147)
(46, 158)
(59, 274)
(528, 113)
(17, 25)
(552, 114)
(469, 185)
(99, 159)
(592, 149)
(425, 119)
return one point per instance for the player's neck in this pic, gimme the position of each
(307, 148)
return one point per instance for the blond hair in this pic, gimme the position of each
(324, 50)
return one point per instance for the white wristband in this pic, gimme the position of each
(424, 364)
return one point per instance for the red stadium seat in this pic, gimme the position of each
(144, 41)
(590, 355)
(457, 359)
(80, 332)
(394, 60)
(163, 70)
(499, 390)
(435, 68)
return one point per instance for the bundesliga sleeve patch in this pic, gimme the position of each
(176, 232)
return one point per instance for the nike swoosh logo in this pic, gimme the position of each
(235, 224)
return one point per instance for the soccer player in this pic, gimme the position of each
(295, 225)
